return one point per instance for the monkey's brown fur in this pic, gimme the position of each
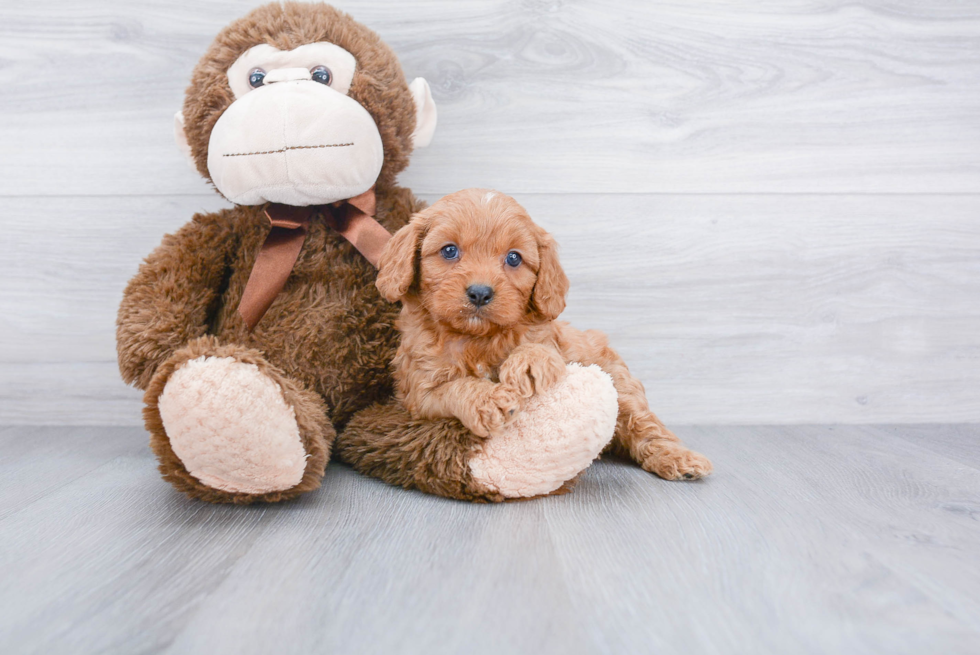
(482, 363)
(329, 337)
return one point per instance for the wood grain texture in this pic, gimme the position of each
(636, 131)
(961, 446)
(64, 460)
(541, 95)
(731, 309)
(807, 539)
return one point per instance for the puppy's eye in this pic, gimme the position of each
(256, 77)
(321, 74)
(514, 259)
(449, 252)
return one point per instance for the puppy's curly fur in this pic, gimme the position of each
(481, 287)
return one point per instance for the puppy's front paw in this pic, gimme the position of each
(507, 401)
(499, 408)
(532, 369)
(675, 462)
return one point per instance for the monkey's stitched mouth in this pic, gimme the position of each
(273, 152)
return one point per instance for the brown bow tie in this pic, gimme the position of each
(352, 218)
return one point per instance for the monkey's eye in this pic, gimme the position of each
(321, 74)
(255, 78)
(449, 252)
(514, 259)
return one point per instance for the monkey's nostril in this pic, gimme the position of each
(479, 294)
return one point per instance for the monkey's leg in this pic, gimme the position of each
(558, 434)
(228, 427)
(385, 442)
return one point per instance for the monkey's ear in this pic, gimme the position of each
(425, 113)
(548, 296)
(181, 138)
(396, 266)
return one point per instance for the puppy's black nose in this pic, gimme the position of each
(479, 294)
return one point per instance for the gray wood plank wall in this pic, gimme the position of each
(772, 207)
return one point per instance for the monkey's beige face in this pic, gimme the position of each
(478, 263)
(293, 135)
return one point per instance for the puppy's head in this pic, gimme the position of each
(477, 264)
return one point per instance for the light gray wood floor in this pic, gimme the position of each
(807, 540)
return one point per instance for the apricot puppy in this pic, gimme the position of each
(481, 287)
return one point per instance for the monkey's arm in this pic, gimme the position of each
(173, 297)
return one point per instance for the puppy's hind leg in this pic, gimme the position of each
(648, 441)
(639, 433)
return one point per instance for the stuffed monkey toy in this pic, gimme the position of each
(257, 332)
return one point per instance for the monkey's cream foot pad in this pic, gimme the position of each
(231, 428)
(555, 438)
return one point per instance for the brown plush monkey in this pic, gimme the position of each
(257, 332)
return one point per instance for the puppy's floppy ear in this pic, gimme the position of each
(398, 262)
(548, 296)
